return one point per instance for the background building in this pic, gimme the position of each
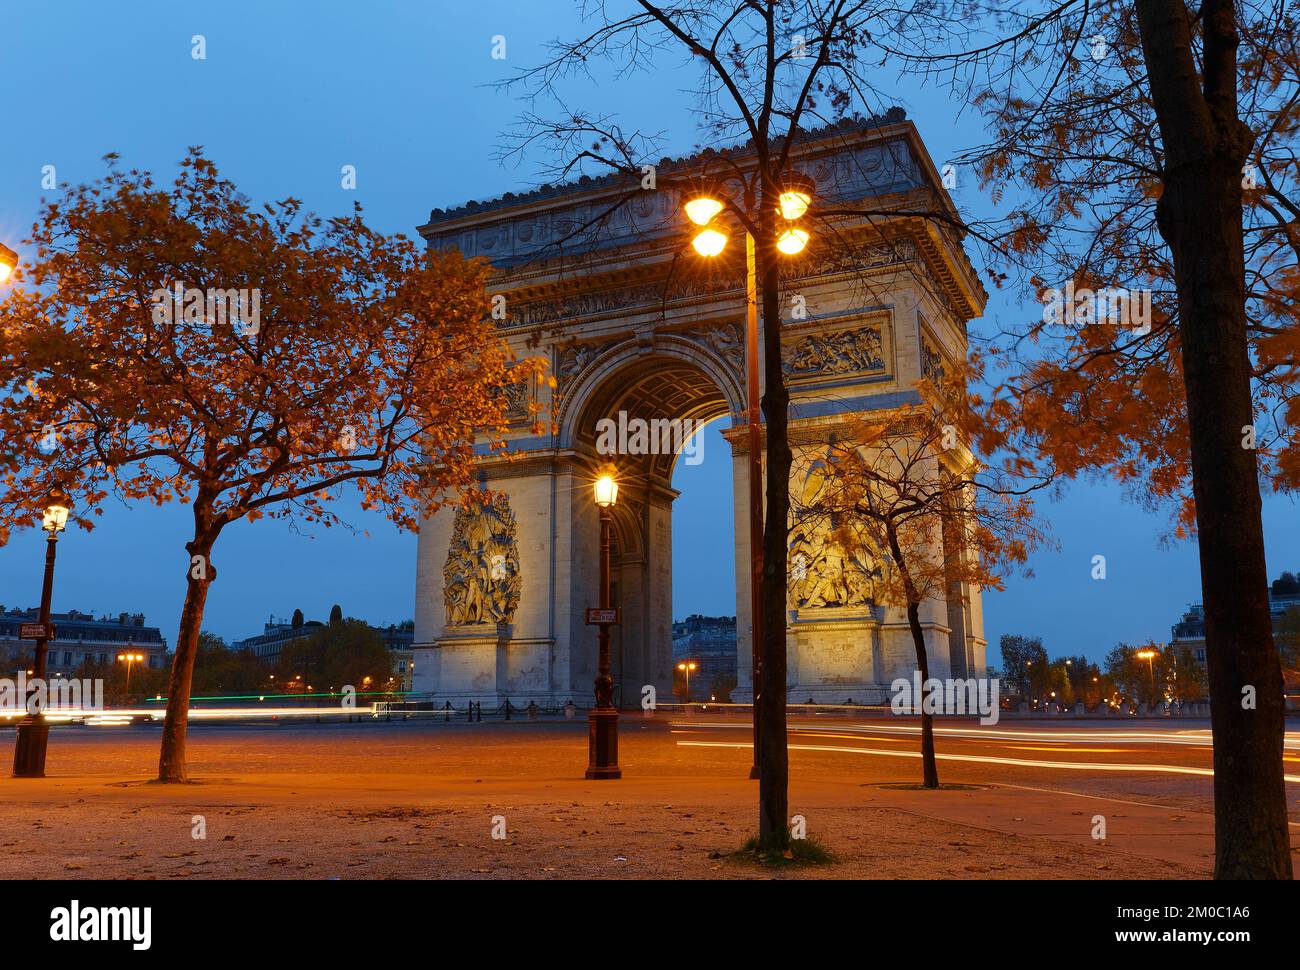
(1189, 632)
(269, 644)
(81, 638)
(711, 642)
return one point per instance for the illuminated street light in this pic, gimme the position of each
(602, 720)
(701, 209)
(792, 241)
(1150, 657)
(8, 262)
(33, 734)
(686, 668)
(129, 659)
(606, 489)
(796, 196)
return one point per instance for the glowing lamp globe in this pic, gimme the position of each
(57, 508)
(792, 241)
(710, 242)
(702, 209)
(606, 491)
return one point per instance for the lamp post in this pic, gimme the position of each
(1150, 657)
(703, 209)
(33, 730)
(602, 720)
(686, 668)
(8, 263)
(128, 659)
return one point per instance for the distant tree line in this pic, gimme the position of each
(1143, 673)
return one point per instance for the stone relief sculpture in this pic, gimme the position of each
(823, 573)
(931, 362)
(517, 400)
(481, 579)
(725, 340)
(841, 352)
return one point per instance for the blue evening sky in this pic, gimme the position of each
(291, 92)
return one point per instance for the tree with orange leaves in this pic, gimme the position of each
(1150, 148)
(179, 344)
(902, 489)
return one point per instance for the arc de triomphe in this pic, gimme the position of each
(606, 286)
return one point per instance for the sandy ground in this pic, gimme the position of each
(421, 801)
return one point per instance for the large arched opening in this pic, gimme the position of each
(645, 413)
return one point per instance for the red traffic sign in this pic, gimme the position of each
(36, 631)
(596, 615)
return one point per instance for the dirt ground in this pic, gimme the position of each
(422, 802)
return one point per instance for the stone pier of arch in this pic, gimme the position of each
(630, 320)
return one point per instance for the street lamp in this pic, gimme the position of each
(129, 659)
(33, 730)
(8, 262)
(602, 720)
(1150, 657)
(703, 208)
(686, 668)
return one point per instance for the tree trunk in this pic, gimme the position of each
(1199, 216)
(929, 767)
(171, 760)
(773, 767)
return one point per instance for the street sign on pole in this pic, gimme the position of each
(596, 615)
(36, 631)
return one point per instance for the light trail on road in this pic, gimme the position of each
(1195, 737)
(986, 759)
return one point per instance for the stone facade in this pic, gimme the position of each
(599, 278)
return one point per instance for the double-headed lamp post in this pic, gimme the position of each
(129, 659)
(602, 720)
(33, 730)
(703, 208)
(686, 667)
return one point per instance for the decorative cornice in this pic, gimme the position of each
(666, 165)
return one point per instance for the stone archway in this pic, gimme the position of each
(628, 324)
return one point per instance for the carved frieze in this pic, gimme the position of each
(481, 578)
(853, 351)
(826, 261)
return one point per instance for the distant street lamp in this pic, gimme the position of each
(8, 262)
(1150, 657)
(129, 659)
(33, 730)
(686, 668)
(602, 720)
(702, 209)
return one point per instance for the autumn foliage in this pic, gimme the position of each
(348, 358)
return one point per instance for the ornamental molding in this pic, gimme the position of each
(687, 288)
